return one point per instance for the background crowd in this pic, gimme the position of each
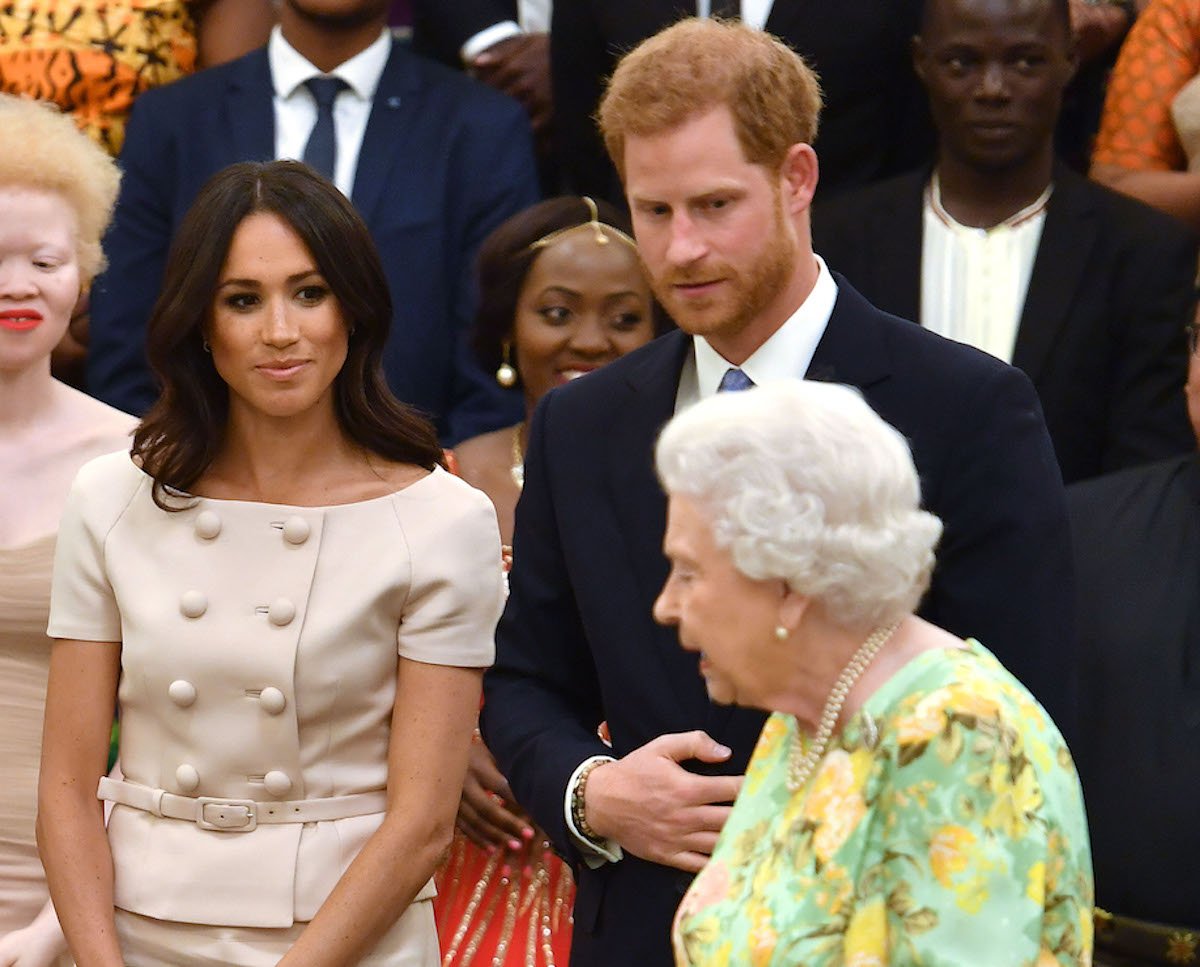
(1017, 176)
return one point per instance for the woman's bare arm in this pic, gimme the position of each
(80, 699)
(432, 725)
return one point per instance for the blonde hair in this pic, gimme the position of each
(698, 64)
(53, 155)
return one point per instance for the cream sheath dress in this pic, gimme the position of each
(259, 651)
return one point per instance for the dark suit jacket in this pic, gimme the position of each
(577, 644)
(443, 161)
(1137, 550)
(441, 27)
(875, 122)
(1102, 331)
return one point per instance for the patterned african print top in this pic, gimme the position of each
(1159, 56)
(93, 57)
(944, 827)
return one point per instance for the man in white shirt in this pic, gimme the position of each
(1005, 249)
(431, 159)
(710, 125)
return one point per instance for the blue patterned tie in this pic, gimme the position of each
(734, 381)
(321, 151)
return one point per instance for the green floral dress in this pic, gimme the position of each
(944, 827)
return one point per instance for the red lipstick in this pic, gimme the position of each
(20, 320)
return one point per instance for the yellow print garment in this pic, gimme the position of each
(93, 57)
(944, 827)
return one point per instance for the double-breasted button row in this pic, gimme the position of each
(296, 530)
(277, 782)
(183, 694)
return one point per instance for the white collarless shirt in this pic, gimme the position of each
(787, 354)
(296, 110)
(974, 280)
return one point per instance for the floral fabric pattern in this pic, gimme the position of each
(945, 826)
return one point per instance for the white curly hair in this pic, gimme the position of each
(803, 481)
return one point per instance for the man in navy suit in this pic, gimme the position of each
(431, 159)
(1000, 246)
(710, 126)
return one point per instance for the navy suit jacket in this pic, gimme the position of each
(577, 644)
(1102, 329)
(443, 161)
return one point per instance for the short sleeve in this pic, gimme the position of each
(1160, 55)
(457, 586)
(82, 603)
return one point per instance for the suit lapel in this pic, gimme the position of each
(396, 101)
(650, 402)
(1058, 269)
(852, 350)
(898, 231)
(251, 109)
(639, 503)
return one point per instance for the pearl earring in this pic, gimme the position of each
(781, 633)
(506, 374)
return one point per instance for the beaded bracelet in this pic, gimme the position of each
(579, 805)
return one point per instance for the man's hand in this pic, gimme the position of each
(658, 810)
(520, 67)
(487, 814)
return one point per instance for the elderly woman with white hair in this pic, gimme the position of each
(908, 800)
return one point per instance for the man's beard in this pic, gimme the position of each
(744, 297)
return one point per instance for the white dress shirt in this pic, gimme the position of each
(974, 280)
(786, 355)
(754, 12)
(296, 109)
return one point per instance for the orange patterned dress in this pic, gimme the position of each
(93, 57)
(1159, 57)
(504, 909)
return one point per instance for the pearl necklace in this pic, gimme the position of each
(801, 766)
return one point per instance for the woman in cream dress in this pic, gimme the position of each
(291, 601)
(56, 195)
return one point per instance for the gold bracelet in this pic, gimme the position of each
(579, 803)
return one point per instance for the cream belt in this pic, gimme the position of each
(237, 815)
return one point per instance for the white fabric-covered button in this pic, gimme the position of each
(296, 530)
(277, 783)
(182, 693)
(281, 612)
(188, 778)
(193, 604)
(208, 525)
(273, 700)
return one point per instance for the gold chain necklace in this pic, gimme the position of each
(801, 765)
(517, 467)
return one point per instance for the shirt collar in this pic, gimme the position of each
(290, 69)
(789, 350)
(933, 198)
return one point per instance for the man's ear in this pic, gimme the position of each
(917, 50)
(800, 174)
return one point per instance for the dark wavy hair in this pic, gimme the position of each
(184, 430)
(505, 259)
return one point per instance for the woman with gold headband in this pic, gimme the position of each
(561, 293)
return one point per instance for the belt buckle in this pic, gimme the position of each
(226, 815)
